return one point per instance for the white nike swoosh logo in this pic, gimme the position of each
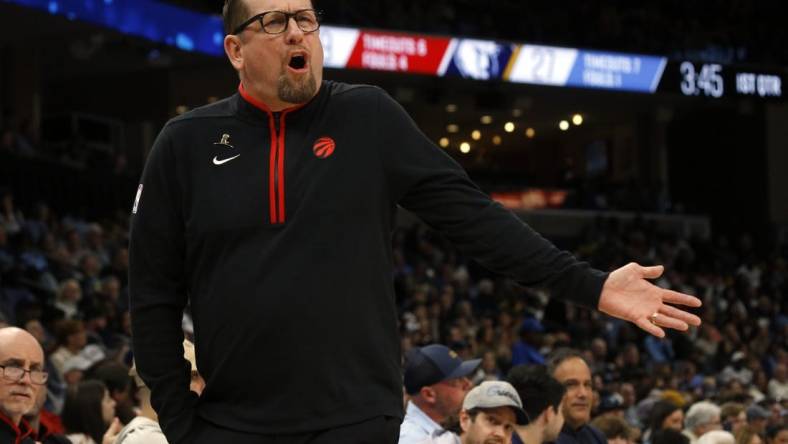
(216, 160)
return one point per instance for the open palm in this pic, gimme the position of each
(629, 296)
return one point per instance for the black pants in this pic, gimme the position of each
(378, 430)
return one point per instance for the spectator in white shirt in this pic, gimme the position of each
(436, 379)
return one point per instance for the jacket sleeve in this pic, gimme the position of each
(425, 180)
(157, 290)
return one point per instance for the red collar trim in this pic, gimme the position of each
(262, 106)
(22, 431)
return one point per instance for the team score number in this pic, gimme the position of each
(543, 64)
(708, 81)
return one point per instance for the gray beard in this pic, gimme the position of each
(298, 91)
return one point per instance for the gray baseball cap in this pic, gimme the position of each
(493, 394)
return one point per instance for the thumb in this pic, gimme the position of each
(652, 272)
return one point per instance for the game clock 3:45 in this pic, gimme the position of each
(707, 80)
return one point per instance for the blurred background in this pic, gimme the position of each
(647, 131)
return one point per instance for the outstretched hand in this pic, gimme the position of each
(629, 296)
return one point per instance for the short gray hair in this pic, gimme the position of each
(701, 413)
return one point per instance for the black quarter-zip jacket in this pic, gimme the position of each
(277, 228)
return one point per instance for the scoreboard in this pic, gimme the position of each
(444, 56)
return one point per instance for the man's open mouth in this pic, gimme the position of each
(297, 62)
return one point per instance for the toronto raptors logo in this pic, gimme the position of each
(324, 147)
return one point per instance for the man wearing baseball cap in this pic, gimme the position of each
(490, 412)
(436, 379)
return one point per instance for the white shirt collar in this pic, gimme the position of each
(421, 419)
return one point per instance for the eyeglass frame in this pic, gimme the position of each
(5, 374)
(288, 15)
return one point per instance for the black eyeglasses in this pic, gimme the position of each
(276, 22)
(13, 373)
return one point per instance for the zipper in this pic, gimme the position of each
(280, 165)
(277, 167)
(276, 161)
(273, 175)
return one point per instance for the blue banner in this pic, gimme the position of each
(616, 71)
(159, 22)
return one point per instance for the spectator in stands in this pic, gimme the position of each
(610, 403)
(542, 396)
(737, 369)
(89, 413)
(90, 271)
(488, 370)
(490, 413)
(71, 339)
(748, 435)
(21, 379)
(40, 224)
(777, 434)
(68, 296)
(615, 429)
(437, 381)
(627, 391)
(95, 244)
(664, 415)
(631, 368)
(74, 246)
(660, 350)
(76, 366)
(779, 411)
(757, 418)
(145, 429)
(120, 266)
(59, 259)
(598, 359)
(95, 315)
(778, 385)
(701, 418)
(526, 350)
(733, 416)
(570, 369)
(110, 294)
(116, 377)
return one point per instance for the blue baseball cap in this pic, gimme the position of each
(432, 364)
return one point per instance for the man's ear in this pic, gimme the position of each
(232, 47)
(547, 415)
(465, 421)
(428, 394)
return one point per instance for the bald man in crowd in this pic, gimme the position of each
(22, 377)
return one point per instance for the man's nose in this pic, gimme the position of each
(294, 34)
(26, 379)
